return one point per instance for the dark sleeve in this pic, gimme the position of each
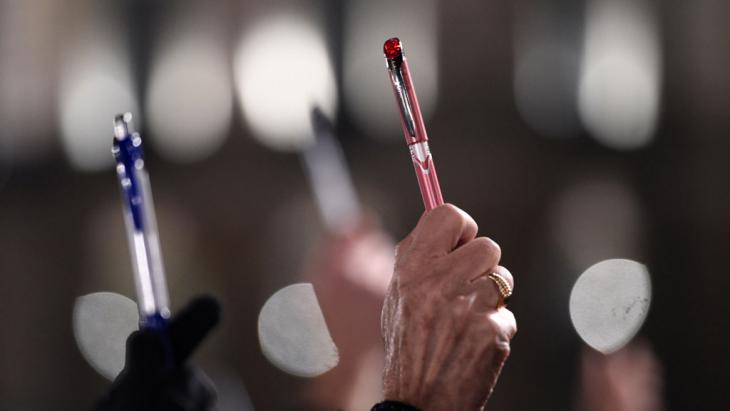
(393, 406)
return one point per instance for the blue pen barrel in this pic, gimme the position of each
(141, 225)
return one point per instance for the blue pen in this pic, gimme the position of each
(141, 225)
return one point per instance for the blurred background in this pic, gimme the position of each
(572, 130)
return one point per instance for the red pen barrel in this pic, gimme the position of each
(428, 181)
(414, 129)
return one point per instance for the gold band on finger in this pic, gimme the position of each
(505, 290)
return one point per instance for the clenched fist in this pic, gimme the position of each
(447, 333)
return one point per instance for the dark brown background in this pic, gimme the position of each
(224, 220)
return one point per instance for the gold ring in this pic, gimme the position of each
(504, 288)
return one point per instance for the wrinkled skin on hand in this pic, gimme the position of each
(446, 340)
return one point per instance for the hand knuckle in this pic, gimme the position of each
(502, 350)
(449, 213)
(494, 247)
(511, 324)
(499, 339)
(502, 325)
(487, 247)
(493, 326)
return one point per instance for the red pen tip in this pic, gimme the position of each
(392, 48)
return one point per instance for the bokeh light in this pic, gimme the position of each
(293, 333)
(547, 57)
(190, 99)
(367, 90)
(96, 84)
(545, 89)
(620, 76)
(102, 322)
(609, 303)
(282, 70)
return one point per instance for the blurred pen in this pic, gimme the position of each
(329, 176)
(412, 122)
(141, 225)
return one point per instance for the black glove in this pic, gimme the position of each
(393, 406)
(155, 376)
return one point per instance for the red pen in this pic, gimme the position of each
(412, 122)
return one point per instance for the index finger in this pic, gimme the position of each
(191, 325)
(443, 229)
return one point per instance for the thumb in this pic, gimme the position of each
(443, 229)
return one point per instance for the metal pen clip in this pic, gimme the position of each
(404, 101)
